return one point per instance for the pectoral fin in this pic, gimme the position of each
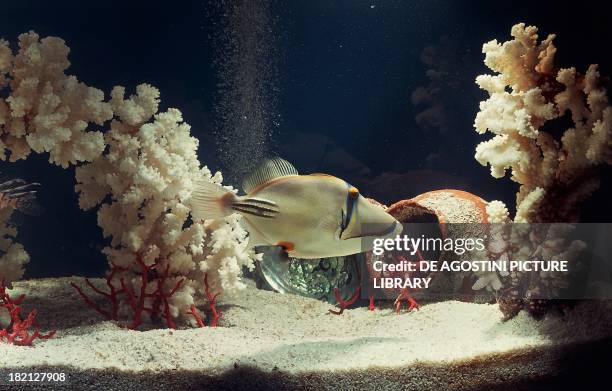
(209, 200)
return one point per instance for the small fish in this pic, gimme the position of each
(18, 194)
(309, 216)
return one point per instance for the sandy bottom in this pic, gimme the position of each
(267, 339)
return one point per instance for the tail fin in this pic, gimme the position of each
(210, 201)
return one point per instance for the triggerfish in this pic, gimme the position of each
(309, 216)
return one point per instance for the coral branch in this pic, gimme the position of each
(164, 298)
(140, 174)
(526, 92)
(344, 303)
(410, 302)
(196, 314)
(89, 301)
(138, 308)
(142, 185)
(211, 303)
(552, 129)
(111, 296)
(137, 303)
(18, 331)
(372, 305)
(215, 314)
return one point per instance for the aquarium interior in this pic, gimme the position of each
(332, 87)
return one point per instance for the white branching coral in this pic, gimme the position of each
(222, 255)
(140, 173)
(148, 171)
(554, 175)
(13, 256)
(497, 212)
(46, 110)
(43, 110)
(527, 92)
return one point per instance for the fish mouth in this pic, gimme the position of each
(390, 230)
(384, 233)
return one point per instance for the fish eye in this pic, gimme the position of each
(353, 192)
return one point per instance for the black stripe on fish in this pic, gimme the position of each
(350, 210)
(254, 211)
(259, 201)
(261, 208)
(264, 208)
(248, 203)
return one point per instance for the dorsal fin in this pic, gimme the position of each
(269, 169)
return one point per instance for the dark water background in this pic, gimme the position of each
(327, 85)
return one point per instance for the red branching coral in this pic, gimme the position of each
(211, 299)
(160, 306)
(410, 302)
(211, 303)
(193, 311)
(111, 296)
(344, 303)
(19, 331)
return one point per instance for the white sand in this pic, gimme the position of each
(296, 338)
